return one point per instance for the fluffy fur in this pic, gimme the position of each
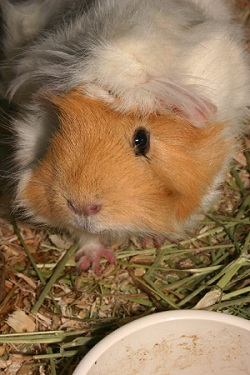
(87, 75)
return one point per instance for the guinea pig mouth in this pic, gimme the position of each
(86, 224)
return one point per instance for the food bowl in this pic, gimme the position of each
(187, 342)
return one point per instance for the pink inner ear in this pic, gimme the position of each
(202, 113)
(203, 117)
(186, 102)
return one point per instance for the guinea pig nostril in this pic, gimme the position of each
(84, 209)
(71, 206)
(93, 208)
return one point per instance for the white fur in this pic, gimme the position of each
(155, 54)
(217, 10)
(28, 140)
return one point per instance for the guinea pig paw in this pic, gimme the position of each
(148, 242)
(86, 259)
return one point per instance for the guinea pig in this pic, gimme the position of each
(129, 113)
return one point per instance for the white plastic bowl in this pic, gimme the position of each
(187, 342)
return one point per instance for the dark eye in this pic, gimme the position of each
(141, 142)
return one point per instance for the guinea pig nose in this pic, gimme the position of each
(84, 209)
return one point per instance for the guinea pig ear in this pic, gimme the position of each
(184, 101)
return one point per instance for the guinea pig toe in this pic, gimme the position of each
(86, 259)
(83, 263)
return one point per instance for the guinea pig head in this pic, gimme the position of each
(107, 172)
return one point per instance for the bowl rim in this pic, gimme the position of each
(120, 333)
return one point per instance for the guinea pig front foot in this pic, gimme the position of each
(90, 254)
(148, 242)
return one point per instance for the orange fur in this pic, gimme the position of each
(91, 160)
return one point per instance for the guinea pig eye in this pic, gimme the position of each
(141, 142)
